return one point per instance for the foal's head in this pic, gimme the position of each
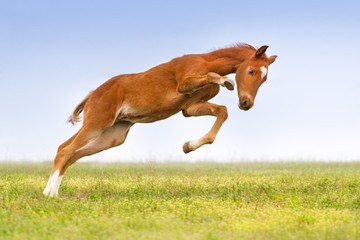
(250, 74)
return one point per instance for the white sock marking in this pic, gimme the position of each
(53, 185)
(222, 80)
(48, 186)
(263, 72)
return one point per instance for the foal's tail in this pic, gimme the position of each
(74, 118)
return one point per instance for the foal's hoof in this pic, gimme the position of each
(186, 147)
(229, 84)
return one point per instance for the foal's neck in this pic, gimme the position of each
(225, 61)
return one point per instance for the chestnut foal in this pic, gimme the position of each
(184, 84)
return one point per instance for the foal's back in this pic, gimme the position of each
(148, 96)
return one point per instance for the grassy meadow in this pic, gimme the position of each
(306, 200)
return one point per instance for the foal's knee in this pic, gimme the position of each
(221, 111)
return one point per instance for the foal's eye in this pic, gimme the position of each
(251, 71)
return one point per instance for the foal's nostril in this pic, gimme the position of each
(245, 103)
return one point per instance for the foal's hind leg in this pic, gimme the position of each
(65, 152)
(86, 142)
(201, 109)
(110, 137)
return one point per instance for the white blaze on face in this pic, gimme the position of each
(263, 72)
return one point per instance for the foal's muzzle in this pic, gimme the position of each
(245, 103)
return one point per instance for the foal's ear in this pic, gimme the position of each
(272, 59)
(261, 51)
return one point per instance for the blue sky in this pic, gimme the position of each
(53, 54)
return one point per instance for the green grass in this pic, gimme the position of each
(182, 201)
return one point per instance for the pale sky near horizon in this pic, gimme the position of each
(53, 53)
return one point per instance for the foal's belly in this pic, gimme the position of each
(151, 110)
(159, 106)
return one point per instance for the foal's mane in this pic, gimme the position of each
(235, 46)
(231, 50)
(242, 45)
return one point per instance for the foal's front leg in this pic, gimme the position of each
(202, 109)
(192, 83)
(223, 81)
